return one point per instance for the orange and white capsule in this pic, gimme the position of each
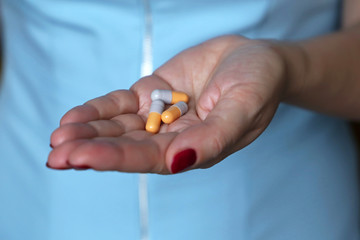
(154, 119)
(168, 96)
(174, 112)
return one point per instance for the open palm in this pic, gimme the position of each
(235, 85)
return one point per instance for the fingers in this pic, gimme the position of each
(101, 128)
(117, 102)
(106, 133)
(105, 107)
(58, 157)
(134, 152)
(227, 128)
(200, 144)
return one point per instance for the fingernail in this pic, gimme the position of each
(183, 160)
(48, 166)
(78, 167)
(51, 145)
(81, 167)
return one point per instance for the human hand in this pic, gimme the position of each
(235, 86)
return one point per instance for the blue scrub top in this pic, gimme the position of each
(297, 181)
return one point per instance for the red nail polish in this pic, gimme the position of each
(183, 160)
(47, 165)
(81, 167)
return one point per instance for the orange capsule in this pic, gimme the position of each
(154, 119)
(174, 112)
(168, 96)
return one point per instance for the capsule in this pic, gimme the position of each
(154, 119)
(174, 112)
(168, 96)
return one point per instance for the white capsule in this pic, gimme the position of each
(168, 96)
(183, 107)
(157, 106)
(174, 112)
(164, 95)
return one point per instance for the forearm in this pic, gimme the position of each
(323, 74)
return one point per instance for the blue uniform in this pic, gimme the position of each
(297, 181)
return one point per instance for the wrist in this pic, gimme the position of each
(295, 69)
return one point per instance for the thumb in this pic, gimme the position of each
(227, 128)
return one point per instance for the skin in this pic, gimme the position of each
(235, 86)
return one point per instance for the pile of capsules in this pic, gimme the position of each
(157, 114)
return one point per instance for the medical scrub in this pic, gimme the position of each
(297, 181)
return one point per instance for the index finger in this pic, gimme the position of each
(104, 107)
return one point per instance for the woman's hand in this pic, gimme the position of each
(235, 86)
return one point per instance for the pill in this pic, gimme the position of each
(154, 119)
(174, 112)
(168, 96)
